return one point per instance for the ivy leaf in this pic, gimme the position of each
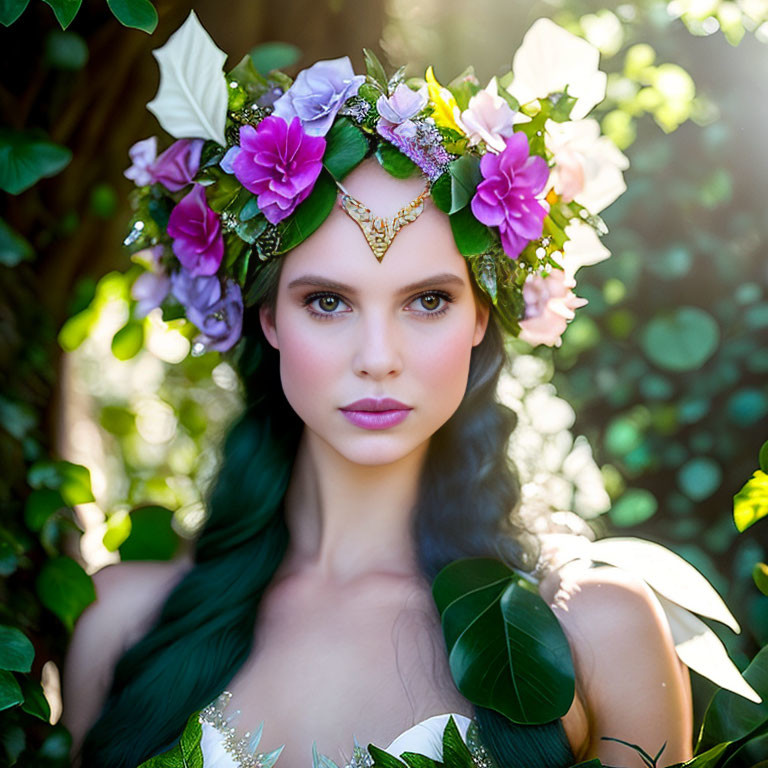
(10, 10)
(34, 702)
(441, 192)
(310, 214)
(750, 504)
(65, 589)
(151, 536)
(26, 158)
(65, 10)
(73, 481)
(13, 247)
(345, 148)
(16, 650)
(138, 14)
(191, 101)
(10, 691)
(506, 648)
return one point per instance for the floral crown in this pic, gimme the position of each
(259, 160)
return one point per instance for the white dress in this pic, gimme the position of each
(224, 747)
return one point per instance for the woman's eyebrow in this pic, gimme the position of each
(444, 278)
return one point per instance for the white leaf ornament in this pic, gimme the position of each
(191, 102)
(701, 649)
(665, 572)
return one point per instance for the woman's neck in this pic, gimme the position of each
(349, 520)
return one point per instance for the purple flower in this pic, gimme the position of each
(149, 289)
(220, 323)
(142, 154)
(195, 291)
(318, 93)
(397, 110)
(196, 232)
(176, 167)
(506, 197)
(279, 163)
(219, 318)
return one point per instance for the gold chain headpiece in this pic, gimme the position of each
(380, 231)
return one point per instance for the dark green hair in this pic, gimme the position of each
(467, 506)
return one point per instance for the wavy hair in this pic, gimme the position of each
(467, 506)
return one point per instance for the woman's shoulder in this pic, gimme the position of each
(622, 648)
(128, 596)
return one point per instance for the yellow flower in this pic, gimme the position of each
(446, 108)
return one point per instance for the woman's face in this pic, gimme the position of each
(350, 327)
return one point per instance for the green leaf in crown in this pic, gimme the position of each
(506, 648)
(187, 753)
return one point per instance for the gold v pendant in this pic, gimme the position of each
(380, 231)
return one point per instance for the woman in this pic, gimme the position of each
(348, 638)
(308, 598)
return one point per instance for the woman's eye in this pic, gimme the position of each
(324, 304)
(430, 303)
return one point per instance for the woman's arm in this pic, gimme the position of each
(630, 682)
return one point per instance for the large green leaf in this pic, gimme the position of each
(65, 10)
(310, 214)
(729, 716)
(472, 237)
(506, 648)
(394, 162)
(65, 589)
(10, 10)
(345, 148)
(16, 651)
(465, 176)
(139, 14)
(26, 158)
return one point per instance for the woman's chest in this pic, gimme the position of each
(326, 672)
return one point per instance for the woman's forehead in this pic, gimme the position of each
(340, 251)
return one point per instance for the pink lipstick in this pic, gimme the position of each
(371, 413)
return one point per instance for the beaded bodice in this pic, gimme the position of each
(224, 747)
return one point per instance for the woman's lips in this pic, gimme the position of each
(376, 419)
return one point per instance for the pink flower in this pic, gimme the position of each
(176, 167)
(506, 198)
(488, 118)
(549, 305)
(196, 232)
(279, 163)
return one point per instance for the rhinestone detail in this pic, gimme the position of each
(242, 748)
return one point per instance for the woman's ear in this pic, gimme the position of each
(267, 320)
(483, 315)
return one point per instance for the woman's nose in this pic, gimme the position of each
(377, 347)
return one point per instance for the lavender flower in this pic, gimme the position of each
(196, 232)
(142, 155)
(318, 93)
(220, 323)
(397, 110)
(176, 167)
(219, 318)
(506, 197)
(149, 289)
(279, 163)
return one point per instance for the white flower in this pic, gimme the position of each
(488, 118)
(551, 58)
(583, 249)
(191, 102)
(588, 166)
